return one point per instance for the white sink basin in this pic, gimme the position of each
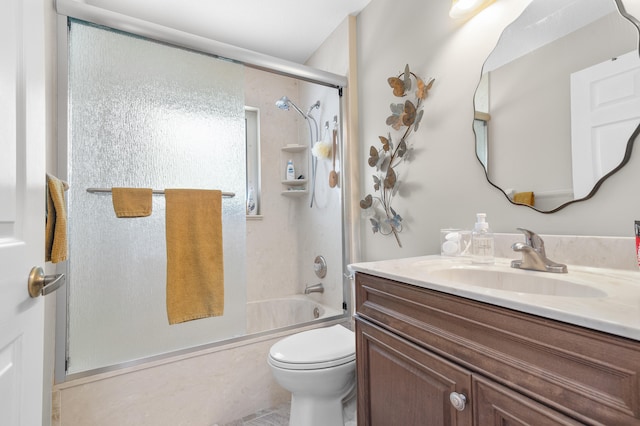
(519, 281)
(601, 299)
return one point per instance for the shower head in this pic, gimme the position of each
(284, 103)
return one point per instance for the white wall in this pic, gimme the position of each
(282, 246)
(445, 184)
(283, 243)
(272, 273)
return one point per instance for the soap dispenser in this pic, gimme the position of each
(482, 247)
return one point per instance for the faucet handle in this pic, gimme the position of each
(532, 239)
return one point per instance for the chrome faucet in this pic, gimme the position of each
(533, 255)
(316, 288)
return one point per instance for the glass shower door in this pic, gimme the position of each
(147, 115)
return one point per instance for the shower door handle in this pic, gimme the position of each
(41, 284)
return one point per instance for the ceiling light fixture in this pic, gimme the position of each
(461, 9)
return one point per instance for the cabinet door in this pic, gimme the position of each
(401, 384)
(494, 404)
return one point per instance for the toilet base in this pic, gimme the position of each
(307, 411)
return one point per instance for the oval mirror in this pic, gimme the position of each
(558, 103)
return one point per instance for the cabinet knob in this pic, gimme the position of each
(458, 400)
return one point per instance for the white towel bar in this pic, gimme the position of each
(155, 192)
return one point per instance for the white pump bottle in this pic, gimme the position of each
(482, 244)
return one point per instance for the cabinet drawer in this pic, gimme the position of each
(591, 376)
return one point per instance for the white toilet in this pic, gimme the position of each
(318, 368)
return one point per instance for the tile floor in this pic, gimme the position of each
(279, 416)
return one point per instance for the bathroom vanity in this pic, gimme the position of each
(434, 350)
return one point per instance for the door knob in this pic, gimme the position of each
(41, 284)
(458, 400)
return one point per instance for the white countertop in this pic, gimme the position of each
(613, 307)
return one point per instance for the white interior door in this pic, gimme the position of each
(22, 177)
(605, 110)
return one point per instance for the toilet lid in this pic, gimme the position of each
(317, 348)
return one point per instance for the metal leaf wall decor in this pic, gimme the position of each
(404, 120)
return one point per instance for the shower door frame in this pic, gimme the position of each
(71, 9)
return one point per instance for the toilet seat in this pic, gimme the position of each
(314, 349)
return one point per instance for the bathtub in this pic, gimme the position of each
(270, 314)
(216, 384)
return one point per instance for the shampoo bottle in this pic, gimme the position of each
(291, 171)
(481, 241)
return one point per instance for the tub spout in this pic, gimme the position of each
(316, 288)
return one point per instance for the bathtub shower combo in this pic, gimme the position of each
(180, 127)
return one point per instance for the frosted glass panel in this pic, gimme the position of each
(143, 114)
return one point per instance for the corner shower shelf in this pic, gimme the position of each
(294, 148)
(294, 182)
(295, 187)
(295, 193)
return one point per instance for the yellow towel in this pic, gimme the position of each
(55, 245)
(195, 274)
(526, 198)
(132, 202)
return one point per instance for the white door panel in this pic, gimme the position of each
(605, 110)
(22, 177)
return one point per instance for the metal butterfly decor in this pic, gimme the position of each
(405, 118)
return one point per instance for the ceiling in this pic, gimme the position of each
(286, 29)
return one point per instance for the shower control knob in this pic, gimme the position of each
(458, 400)
(320, 266)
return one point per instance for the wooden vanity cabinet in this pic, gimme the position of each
(405, 384)
(414, 347)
